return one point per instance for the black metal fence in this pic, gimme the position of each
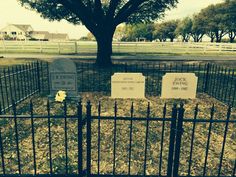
(92, 78)
(170, 145)
(217, 81)
(20, 82)
(220, 83)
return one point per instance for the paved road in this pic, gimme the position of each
(125, 57)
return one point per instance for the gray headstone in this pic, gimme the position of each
(63, 76)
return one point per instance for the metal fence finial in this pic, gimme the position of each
(99, 107)
(132, 109)
(148, 110)
(115, 108)
(164, 109)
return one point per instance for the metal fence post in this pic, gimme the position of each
(38, 76)
(2, 153)
(49, 137)
(88, 117)
(172, 141)
(48, 78)
(33, 136)
(2, 94)
(0, 108)
(66, 136)
(207, 78)
(80, 138)
(224, 140)
(179, 133)
(16, 136)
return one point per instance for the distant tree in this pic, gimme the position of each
(138, 31)
(143, 31)
(90, 36)
(198, 29)
(209, 24)
(214, 19)
(83, 38)
(166, 30)
(159, 32)
(170, 28)
(101, 17)
(184, 29)
(119, 33)
(230, 19)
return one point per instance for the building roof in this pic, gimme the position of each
(40, 32)
(23, 27)
(45, 34)
(57, 36)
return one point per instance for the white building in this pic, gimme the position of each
(39, 35)
(26, 32)
(16, 32)
(58, 37)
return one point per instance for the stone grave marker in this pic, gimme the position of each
(179, 85)
(63, 76)
(128, 85)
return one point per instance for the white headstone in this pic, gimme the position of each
(179, 85)
(128, 85)
(63, 76)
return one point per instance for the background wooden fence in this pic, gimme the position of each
(72, 47)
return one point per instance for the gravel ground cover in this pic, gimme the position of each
(122, 137)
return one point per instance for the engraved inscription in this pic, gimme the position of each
(179, 85)
(63, 81)
(128, 85)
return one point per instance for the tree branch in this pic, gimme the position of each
(127, 10)
(77, 7)
(98, 5)
(112, 8)
(98, 11)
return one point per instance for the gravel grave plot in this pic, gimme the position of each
(204, 101)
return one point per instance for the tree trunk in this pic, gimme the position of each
(212, 39)
(218, 37)
(231, 36)
(104, 48)
(218, 40)
(231, 40)
(211, 35)
(187, 38)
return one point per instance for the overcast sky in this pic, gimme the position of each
(12, 13)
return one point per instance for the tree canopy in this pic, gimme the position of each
(219, 19)
(101, 17)
(184, 28)
(230, 19)
(138, 31)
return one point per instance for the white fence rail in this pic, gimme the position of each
(118, 47)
